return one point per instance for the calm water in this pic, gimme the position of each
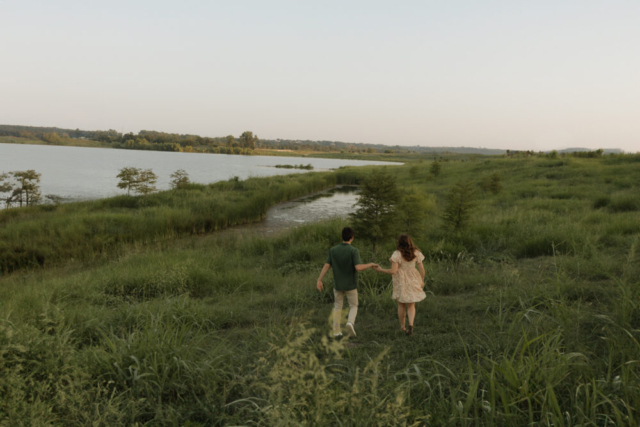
(78, 173)
(337, 202)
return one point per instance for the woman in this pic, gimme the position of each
(408, 284)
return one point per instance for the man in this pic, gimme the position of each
(345, 261)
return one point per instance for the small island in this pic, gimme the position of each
(307, 167)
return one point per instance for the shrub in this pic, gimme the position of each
(375, 214)
(460, 204)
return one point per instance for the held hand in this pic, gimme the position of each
(319, 285)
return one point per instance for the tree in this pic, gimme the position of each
(413, 210)
(52, 138)
(128, 179)
(460, 203)
(27, 189)
(435, 168)
(230, 141)
(6, 186)
(374, 217)
(495, 187)
(179, 179)
(146, 182)
(248, 140)
(490, 183)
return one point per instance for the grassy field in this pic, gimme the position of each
(64, 141)
(532, 315)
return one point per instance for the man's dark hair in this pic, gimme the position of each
(347, 234)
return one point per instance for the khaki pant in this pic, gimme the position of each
(352, 299)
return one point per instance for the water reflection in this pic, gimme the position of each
(336, 202)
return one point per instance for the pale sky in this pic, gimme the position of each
(497, 74)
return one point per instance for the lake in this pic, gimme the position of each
(80, 173)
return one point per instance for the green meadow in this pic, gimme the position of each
(144, 311)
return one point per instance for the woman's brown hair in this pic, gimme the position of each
(406, 247)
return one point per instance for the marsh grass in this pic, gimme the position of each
(46, 235)
(532, 315)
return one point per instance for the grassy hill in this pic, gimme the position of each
(532, 315)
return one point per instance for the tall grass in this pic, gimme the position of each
(532, 318)
(45, 235)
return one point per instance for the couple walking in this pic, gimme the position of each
(408, 283)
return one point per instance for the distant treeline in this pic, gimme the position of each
(349, 147)
(162, 141)
(245, 143)
(144, 140)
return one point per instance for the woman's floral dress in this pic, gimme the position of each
(407, 282)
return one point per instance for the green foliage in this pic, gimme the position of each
(374, 217)
(30, 238)
(413, 171)
(248, 140)
(52, 138)
(296, 383)
(6, 187)
(491, 183)
(460, 204)
(413, 210)
(532, 315)
(146, 182)
(180, 179)
(601, 202)
(23, 187)
(625, 203)
(128, 178)
(300, 166)
(435, 168)
(141, 181)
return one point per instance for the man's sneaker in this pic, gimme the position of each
(350, 329)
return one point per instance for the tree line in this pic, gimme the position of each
(143, 140)
(22, 188)
(143, 181)
(244, 144)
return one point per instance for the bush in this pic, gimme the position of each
(624, 203)
(460, 204)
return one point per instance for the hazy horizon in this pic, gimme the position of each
(525, 76)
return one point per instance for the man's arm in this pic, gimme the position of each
(357, 262)
(325, 268)
(361, 267)
(392, 270)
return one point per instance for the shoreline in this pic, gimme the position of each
(256, 152)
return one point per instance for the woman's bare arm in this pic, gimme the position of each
(421, 268)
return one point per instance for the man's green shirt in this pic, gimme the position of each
(343, 259)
